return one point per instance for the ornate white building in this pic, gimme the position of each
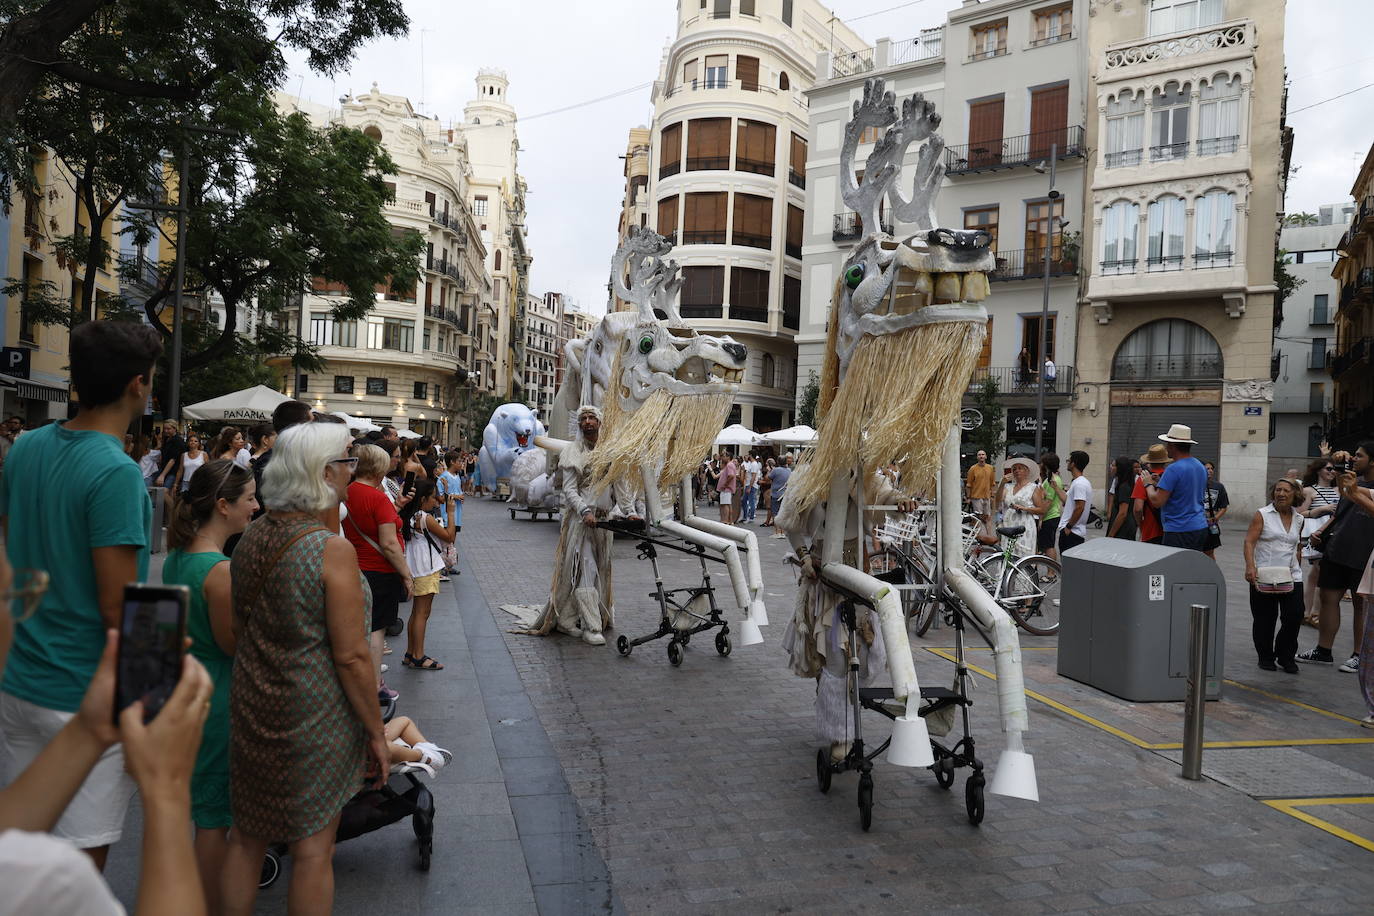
(726, 177)
(1185, 180)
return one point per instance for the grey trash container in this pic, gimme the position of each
(1124, 618)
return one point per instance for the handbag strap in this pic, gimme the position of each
(363, 534)
(276, 558)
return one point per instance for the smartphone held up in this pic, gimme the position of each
(152, 641)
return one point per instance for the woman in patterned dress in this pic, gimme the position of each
(304, 719)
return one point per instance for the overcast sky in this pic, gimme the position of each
(561, 54)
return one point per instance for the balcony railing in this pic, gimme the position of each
(1346, 431)
(1011, 380)
(1320, 360)
(711, 83)
(842, 65)
(796, 178)
(1217, 146)
(927, 46)
(751, 241)
(1166, 368)
(703, 237)
(989, 53)
(748, 313)
(1351, 356)
(1029, 264)
(707, 163)
(1010, 152)
(849, 227)
(1118, 266)
(756, 166)
(1051, 39)
(1204, 259)
(1209, 38)
(442, 314)
(700, 311)
(1166, 152)
(1165, 262)
(1320, 314)
(669, 168)
(1358, 290)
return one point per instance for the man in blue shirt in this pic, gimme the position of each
(74, 504)
(1179, 493)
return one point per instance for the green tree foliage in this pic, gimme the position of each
(175, 52)
(1300, 219)
(1286, 281)
(806, 407)
(990, 435)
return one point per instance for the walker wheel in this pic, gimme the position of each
(973, 798)
(944, 772)
(865, 801)
(723, 644)
(685, 637)
(823, 771)
(271, 869)
(675, 653)
(622, 645)
(426, 850)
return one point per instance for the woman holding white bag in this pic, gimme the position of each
(1273, 571)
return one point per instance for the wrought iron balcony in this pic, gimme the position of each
(854, 62)
(1012, 381)
(849, 227)
(1216, 146)
(750, 240)
(1321, 314)
(1011, 152)
(1168, 151)
(703, 237)
(1358, 291)
(756, 166)
(1029, 264)
(1352, 356)
(1126, 157)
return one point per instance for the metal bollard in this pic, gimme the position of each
(1194, 708)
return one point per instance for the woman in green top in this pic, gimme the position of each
(219, 503)
(1049, 505)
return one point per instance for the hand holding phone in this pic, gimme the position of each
(409, 483)
(152, 642)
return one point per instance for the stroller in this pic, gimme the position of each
(402, 796)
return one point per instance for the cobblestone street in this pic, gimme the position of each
(698, 785)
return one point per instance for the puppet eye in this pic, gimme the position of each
(854, 275)
(646, 343)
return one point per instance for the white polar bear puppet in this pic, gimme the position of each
(511, 431)
(530, 483)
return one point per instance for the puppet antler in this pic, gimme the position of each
(865, 198)
(917, 125)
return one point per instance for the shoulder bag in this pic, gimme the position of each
(272, 565)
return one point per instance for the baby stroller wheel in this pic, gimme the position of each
(723, 644)
(271, 869)
(675, 654)
(973, 798)
(823, 769)
(396, 627)
(944, 772)
(622, 645)
(865, 801)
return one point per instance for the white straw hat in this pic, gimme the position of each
(1179, 433)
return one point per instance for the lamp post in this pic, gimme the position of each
(1045, 313)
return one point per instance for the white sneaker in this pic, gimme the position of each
(432, 755)
(1368, 721)
(385, 667)
(1351, 666)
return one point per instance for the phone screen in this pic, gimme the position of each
(409, 483)
(152, 634)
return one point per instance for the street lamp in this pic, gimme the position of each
(1045, 307)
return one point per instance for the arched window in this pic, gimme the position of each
(783, 81)
(498, 260)
(476, 120)
(1218, 116)
(1166, 217)
(1167, 350)
(1120, 227)
(373, 132)
(1169, 130)
(1125, 128)
(1215, 229)
(769, 370)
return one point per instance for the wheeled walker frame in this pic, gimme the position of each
(677, 604)
(881, 701)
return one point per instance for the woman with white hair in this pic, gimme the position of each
(304, 718)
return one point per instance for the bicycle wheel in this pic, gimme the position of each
(892, 567)
(989, 572)
(1032, 594)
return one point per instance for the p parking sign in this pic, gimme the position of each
(14, 361)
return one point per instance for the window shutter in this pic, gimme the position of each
(1049, 118)
(794, 227)
(747, 71)
(667, 215)
(985, 357)
(671, 141)
(985, 131)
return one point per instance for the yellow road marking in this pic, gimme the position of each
(1164, 746)
(1292, 806)
(1283, 699)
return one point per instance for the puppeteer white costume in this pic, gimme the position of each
(581, 601)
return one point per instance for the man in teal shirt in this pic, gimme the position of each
(74, 504)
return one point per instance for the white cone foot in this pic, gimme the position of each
(749, 633)
(910, 745)
(758, 613)
(1015, 776)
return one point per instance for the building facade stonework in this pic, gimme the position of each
(1352, 363)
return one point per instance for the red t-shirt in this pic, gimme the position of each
(1150, 525)
(369, 509)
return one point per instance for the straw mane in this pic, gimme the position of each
(673, 432)
(897, 401)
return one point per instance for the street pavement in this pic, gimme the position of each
(585, 782)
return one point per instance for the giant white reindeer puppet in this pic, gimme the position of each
(905, 330)
(665, 391)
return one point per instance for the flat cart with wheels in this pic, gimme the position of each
(683, 612)
(549, 512)
(880, 700)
